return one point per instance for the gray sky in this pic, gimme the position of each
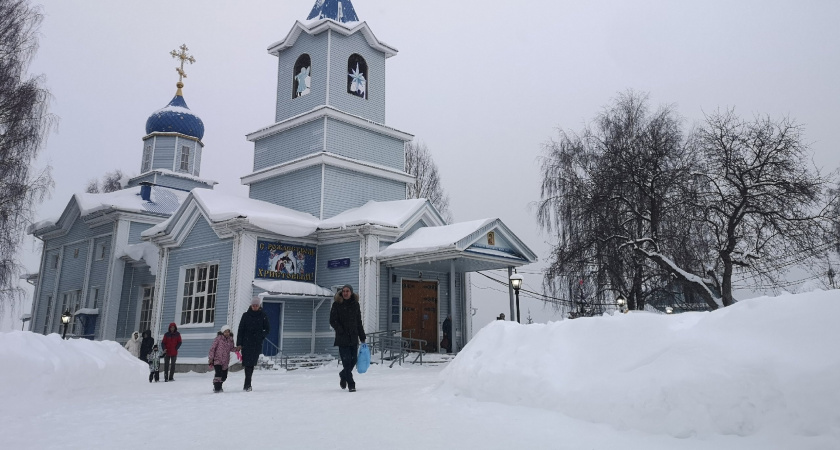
(483, 84)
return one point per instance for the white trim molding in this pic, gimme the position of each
(329, 159)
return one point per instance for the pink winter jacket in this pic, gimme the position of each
(220, 351)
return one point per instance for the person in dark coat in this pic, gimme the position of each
(253, 328)
(346, 320)
(146, 344)
(171, 342)
(447, 334)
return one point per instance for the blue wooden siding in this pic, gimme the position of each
(345, 189)
(327, 277)
(289, 145)
(372, 108)
(164, 152)
(316, 47)
(299, 190)
(134, 278)
(134, 230)
(366, 145)
(201, 246)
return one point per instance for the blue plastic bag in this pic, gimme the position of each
(363, 361)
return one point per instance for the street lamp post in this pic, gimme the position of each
(516, 283)
(622, 303)
(65, 320)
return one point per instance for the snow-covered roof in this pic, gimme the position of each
(144, 251)
(163, 202)
(388, 214)
(219, 207)
(90, 311)
(25, 317)
(173, 174)
(288, 287)
(431, 239)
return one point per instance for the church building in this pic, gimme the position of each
(327, 206)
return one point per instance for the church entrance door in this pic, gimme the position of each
(420, 312)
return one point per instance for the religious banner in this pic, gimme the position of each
(280, 261)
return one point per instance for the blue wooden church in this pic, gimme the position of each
(327, 206)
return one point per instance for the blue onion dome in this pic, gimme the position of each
(176, 117)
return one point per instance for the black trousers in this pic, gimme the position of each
(249, 370)
(154, 375)
(348, 354)
(169, 370)
(220, 377)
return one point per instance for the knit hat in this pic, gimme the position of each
(348, 287)
(225, 327)
(256, 300)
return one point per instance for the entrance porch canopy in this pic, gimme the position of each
(485, 244)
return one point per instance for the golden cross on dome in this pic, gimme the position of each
(184, 57)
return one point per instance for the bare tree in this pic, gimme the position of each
(427, 182)
(111, 181)
(24, 125)
(763, 200)
(606, 190)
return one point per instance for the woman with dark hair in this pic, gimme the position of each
(253, 328)
(346, 320)
(146, 344)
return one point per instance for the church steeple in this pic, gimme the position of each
(339, 10)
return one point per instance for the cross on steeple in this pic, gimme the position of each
(184, 57)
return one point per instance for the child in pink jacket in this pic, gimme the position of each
(219, 356)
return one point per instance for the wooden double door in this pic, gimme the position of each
(420, 312)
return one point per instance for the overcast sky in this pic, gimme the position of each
(482, 83)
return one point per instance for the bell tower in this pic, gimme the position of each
(329, 148)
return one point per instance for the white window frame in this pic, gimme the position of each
(75, 306)
(184, 164)
(147, 306)
(197, 297)
(94, 296)
(147, 159)
(48, 317)
(100, 251)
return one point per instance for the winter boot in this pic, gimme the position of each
(343, 384)
(352, 387)
(151, 375)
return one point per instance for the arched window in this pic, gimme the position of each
(301, 76)
(357, 76)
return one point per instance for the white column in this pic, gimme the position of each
(246, 264)
(113, 286)
(369, 289)
(160, 293)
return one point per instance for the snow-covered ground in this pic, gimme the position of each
(762, 374)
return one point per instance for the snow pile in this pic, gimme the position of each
(763, 365)
(434, 238)
(390, 214)
(37, 366)
(292, 288)
(144, 251)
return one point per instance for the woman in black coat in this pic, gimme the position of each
(146, 345)
(253, 328)
(346, 320)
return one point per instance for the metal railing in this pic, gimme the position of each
(396, 346)
(272, 353)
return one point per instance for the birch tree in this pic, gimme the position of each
(25, 122)
(427, 182)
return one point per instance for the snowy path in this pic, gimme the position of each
(399, 408)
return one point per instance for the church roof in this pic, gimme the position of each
(176, 117)
(338, 10)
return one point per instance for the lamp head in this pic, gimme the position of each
(65, 317)
(516, 281)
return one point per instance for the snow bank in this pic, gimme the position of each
(37, 366)
(765, 364)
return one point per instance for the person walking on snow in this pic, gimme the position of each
(171, 343)
(133, 344)
(253, 328)
(346, 320)
(146, 345)
(219, 356)
(447, 334)
(153, 358)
